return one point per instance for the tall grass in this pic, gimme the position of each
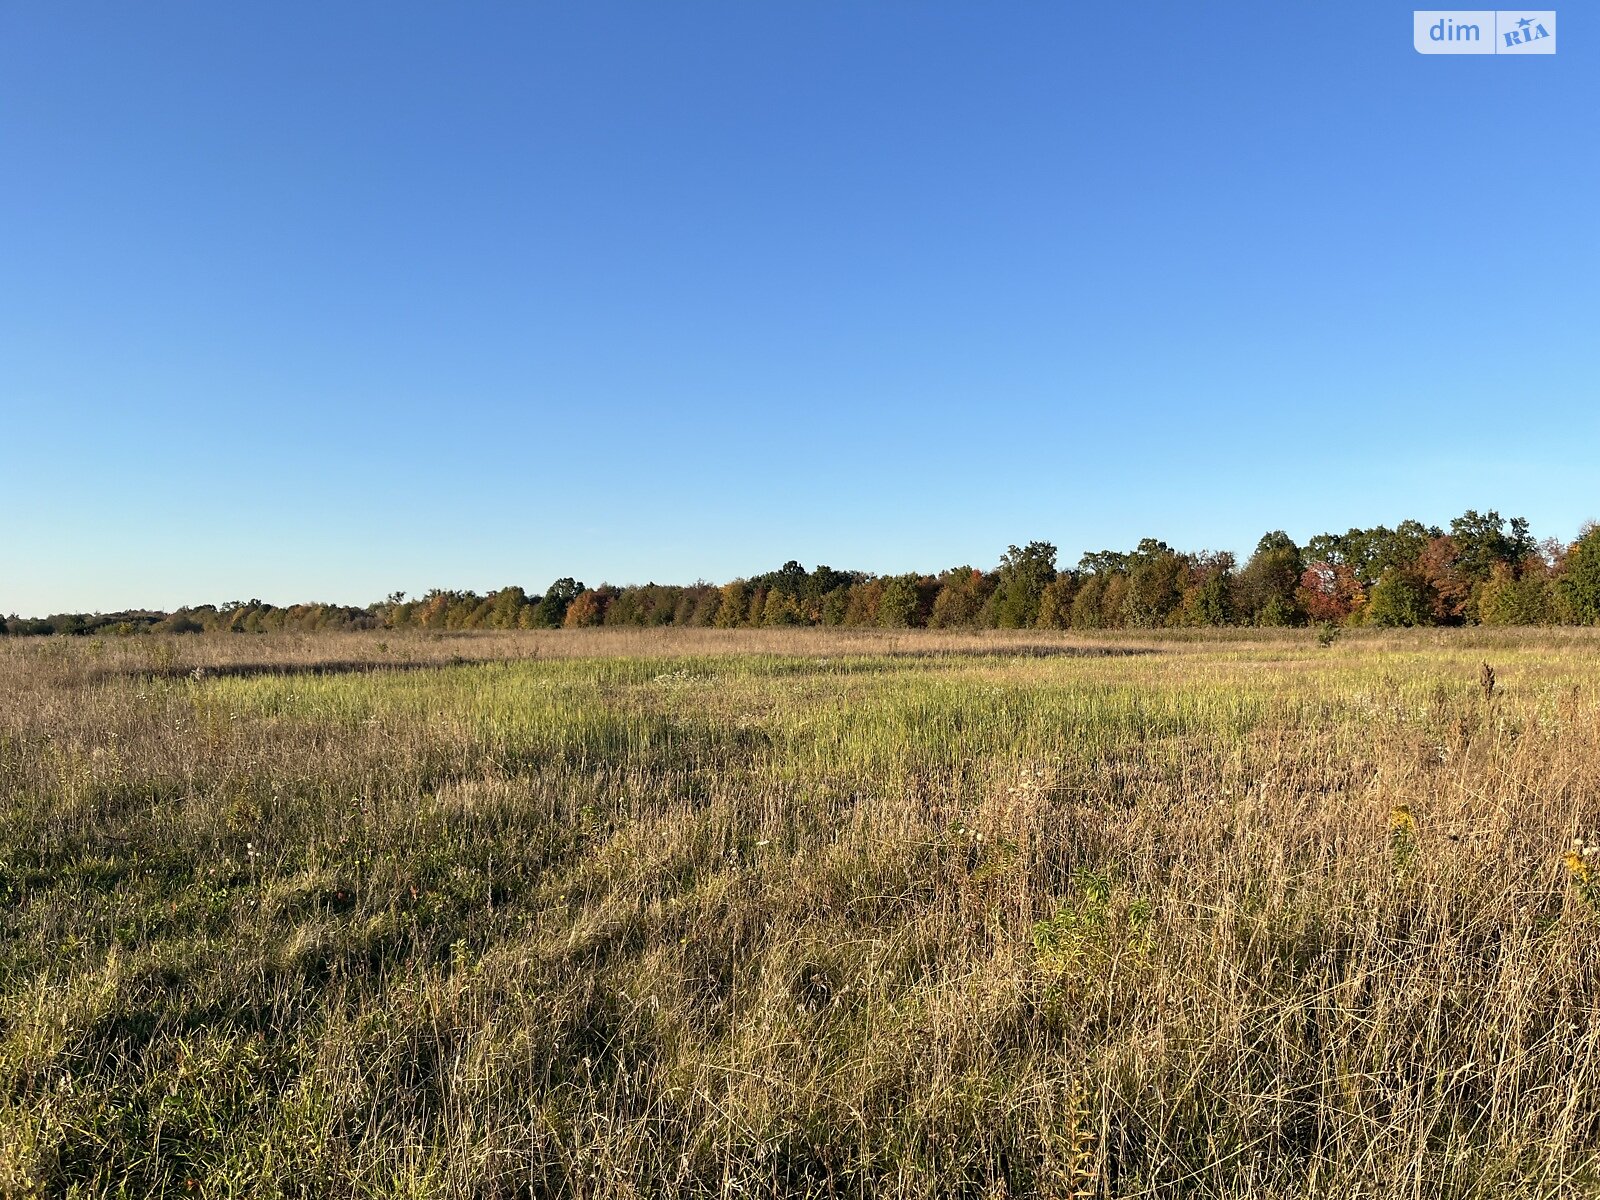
(768, 914)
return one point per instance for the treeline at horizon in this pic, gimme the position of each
(1482, 570)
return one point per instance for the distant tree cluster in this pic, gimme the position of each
(1483, 571)
(238, 616)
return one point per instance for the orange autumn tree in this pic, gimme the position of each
(1330, 592)
(588, 608)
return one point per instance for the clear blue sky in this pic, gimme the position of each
(317, 301)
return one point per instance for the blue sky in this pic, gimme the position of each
(321, 301)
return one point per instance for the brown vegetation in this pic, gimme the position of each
(791, 912)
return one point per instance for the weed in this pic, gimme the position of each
(1086, 927)
(1402, 839)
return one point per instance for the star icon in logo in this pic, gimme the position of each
(1525, 22)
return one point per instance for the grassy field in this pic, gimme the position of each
(709, 913)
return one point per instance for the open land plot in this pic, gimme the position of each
(755, 913)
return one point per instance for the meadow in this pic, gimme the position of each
(632, 913)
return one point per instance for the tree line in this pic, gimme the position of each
(1483, 570)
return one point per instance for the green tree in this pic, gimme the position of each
(734, 606)
(963, 592)
(705, 600)
(836, 604)
(1265, 590)
(1055, 605)
(1114, 601)
(1368, 553)
(823, 582)
(897, 607)
(551, 608)
(781, 608)
(1155, 584)
(1088, 604)
(1102, 562)
(506, 605)
(1482, 541)
(1208, 591)
(1399, 599)
(1579, 583)
(1509, 599)
(791, 579)
(1024, 573)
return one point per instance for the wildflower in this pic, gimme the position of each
(1583, 868)
(1580, 861)
(1576, 866)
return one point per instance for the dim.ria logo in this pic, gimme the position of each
(1484, 31)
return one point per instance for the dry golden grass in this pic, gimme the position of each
(800, 913)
